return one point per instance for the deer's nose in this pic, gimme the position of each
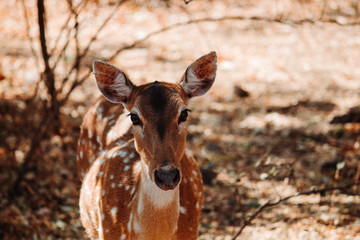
(167, 180)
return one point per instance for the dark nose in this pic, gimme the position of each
(167, 180)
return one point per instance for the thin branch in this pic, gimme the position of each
(77, 46)
(75, 11)
(92, 40)
(74, 85)
(29, 36)
(168, 28)
(79, 8)
(274, 203)
(188, 1)
(62, 51)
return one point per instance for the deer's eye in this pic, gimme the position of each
(183, 116)
(135, 119)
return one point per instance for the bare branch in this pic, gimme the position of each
(188, 1)
(77, 45)
(274, 203)
(62, 51)
(29, 35)
(80, 56)
(165, 29)
(94, 38)
(79, 8)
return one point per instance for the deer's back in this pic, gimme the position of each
(105, 126)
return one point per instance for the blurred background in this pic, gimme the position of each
(282, 117)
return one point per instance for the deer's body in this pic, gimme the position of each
(138, 180)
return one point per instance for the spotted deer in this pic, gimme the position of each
(138, 180)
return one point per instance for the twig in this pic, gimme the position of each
(79, 7)
(274, 203)
(77, 47)
(239, 18)
(188, 1)
(165, 29)
(92, 40)
(29, 35)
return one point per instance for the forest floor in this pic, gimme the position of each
(262, 133)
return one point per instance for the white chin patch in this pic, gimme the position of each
(158, 197)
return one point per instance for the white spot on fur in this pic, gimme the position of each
(197, 205)
(126, 168)
(81, 154)
(112, 116)
(126, 160)
(112, 185)
(100, 174)
(102, 217)
(90, 133)
(119, 153)
(132, 191)
(102, 161)
(113, 211)
(194, 172)
(111, 176)
(131, 155)
(182, 210)
(188, 153)
(127, 187)
(103, 193)
(123, 237)
(120, 185)
(83, 141)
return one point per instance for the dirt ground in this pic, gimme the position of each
(274, 142)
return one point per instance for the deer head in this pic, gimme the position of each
(158, 112)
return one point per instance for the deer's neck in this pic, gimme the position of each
(157, 211)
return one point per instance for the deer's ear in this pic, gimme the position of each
(200, 75)
(112, 82)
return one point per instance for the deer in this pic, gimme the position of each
(138, 179)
